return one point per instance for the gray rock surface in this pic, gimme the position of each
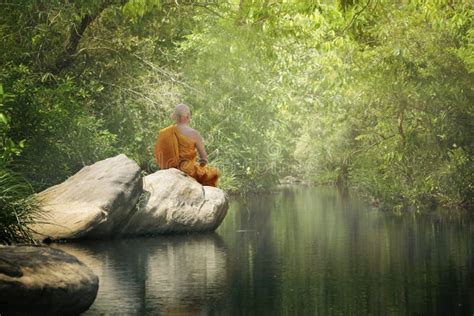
(95, 202)
(43, 280)
(290, 180)
(173, 202)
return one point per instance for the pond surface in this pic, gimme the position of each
(301, 251)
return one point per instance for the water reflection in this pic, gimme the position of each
(301, 251)
(319, 252)
(171, 275)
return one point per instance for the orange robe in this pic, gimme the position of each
(175, 150)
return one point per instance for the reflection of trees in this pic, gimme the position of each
(170, 274)
(346, 258)
(319, 252)
(253, 261)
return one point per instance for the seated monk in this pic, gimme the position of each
(176, 147)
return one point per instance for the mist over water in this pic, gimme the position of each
(302, 251)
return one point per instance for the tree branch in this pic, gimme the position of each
(354, 17)
(76, 33)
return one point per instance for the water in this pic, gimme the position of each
(301, 251)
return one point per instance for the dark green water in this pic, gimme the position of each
(302, 251)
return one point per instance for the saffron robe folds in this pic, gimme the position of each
(175, 150)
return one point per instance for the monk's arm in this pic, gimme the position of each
(201, 150)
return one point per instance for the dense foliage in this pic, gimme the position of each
(18, 207)
(375, 94)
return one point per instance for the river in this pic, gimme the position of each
(299, 251)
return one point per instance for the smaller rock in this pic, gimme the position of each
(290, 180)
(173, 202)
(43, 280)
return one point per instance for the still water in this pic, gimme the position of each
(301, 251)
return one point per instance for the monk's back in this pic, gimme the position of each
(186, 148)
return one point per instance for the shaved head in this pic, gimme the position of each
(181, 111)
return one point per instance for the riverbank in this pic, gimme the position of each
(108, 199)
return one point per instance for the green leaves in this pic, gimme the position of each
(374, 95)
(399, 102)
(138, 8)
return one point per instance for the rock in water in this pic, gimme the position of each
(94, 202)
(173, 202)
(290, 180)
(43, 280)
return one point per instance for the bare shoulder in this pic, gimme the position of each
(192, 134)
(195, 134)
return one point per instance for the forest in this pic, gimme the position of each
(374, 95)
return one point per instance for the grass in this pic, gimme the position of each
(18, 208)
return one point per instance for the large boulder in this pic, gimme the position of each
(43, 280)
(173, 202)
(93, 203)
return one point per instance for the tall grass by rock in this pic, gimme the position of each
(18, 207)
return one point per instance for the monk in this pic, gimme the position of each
(176, 147)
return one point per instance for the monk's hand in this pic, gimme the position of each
(202, 162)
